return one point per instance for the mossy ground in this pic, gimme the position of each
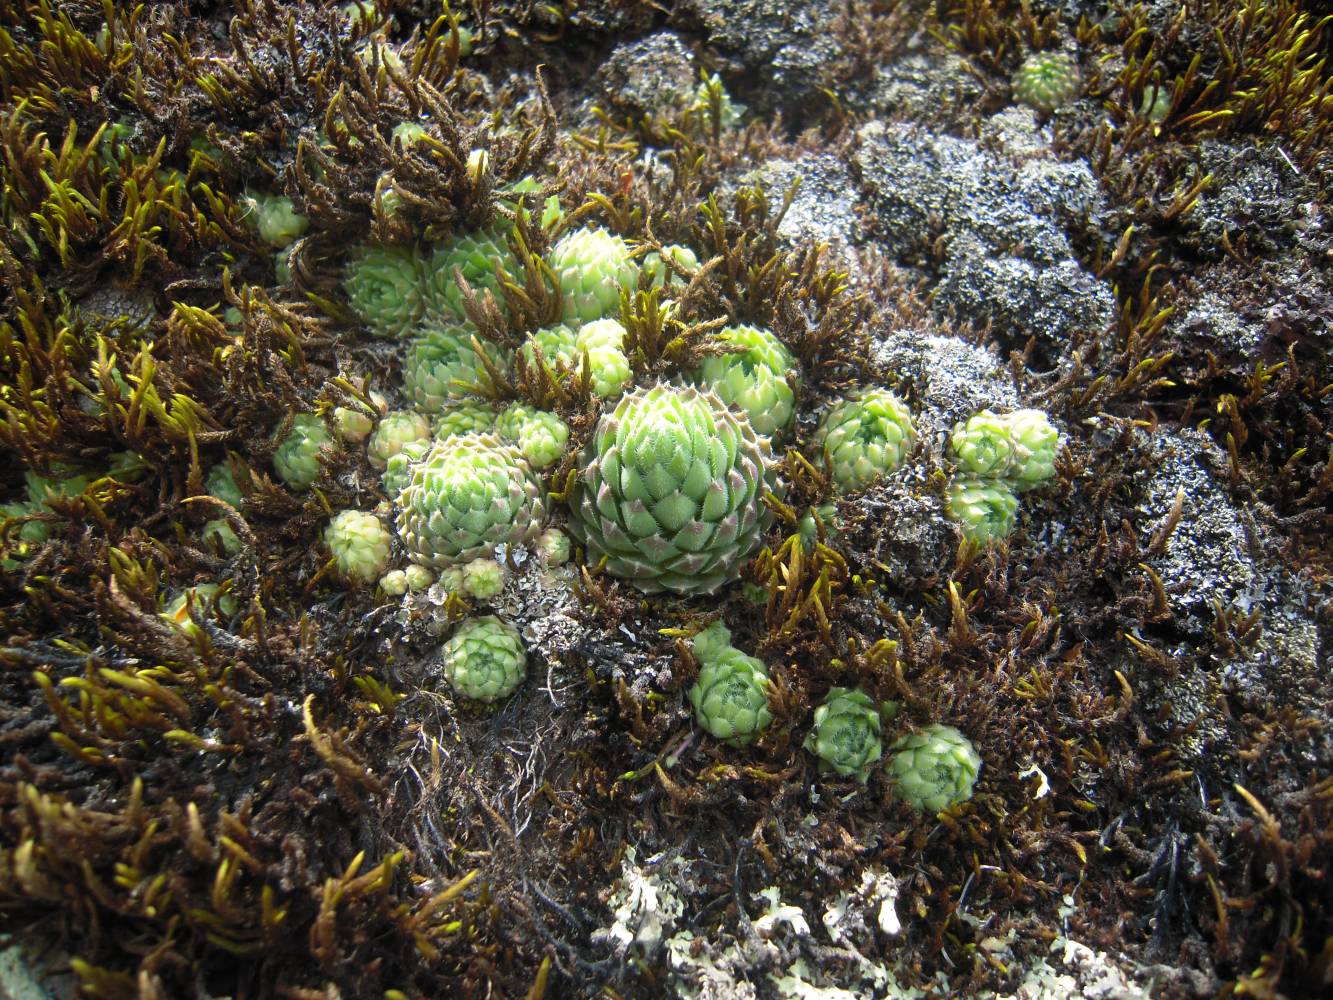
(285, 801)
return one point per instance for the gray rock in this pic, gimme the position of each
(824, 209)
(949, 378)
(1208, 556)
(651, 74)
(786, 43)
(921, 86)
(1000, 218)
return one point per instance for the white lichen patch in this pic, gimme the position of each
(645, 905)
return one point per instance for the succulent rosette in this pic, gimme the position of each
(934, 768)
(475, 255)
(465, 417)
(602, 343)
(669, 493)
(986, 509)
(730, 697)
(484, 660)
(1018, 447)
(398, 470)
(297, 457)
(866, 436)
(540, 436)
(275, 218)
(846, 733)
(384, 288)
(982, 446)
(682, 258)
(1047, 81)
(442, 365)
(592, 267)
(558, 345)
(754, 378)
(395, 429)
(1036, 444)
(464, 497)
(360, 545)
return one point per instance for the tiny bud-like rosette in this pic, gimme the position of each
(934, 768)
(754, 379)
(483, 578)
(602, 342)
(464, 497)
(866, 437)
(670, 491)
(1047, 81)
(846, 733)
(360, 544)
(484, 659)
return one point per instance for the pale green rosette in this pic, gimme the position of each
(730, 697)
(986, 509)
(384, 288)
(866, 437)
(670, 491)
(592, 268)
(467, 495)
(846, 734)
(297, 457)
(934, 768)
(485, 660)
(753, 379)
(442, 365)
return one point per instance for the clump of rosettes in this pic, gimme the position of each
(1046, 81)
(1019, 447)
(670, 490)
(866, 436)
(383, 286)
(540, 436)
(360, 545)
(592, 268)
(485, 660)
(464, 497)
(297, 457)
(396, 429)
(753, 379)
(934, 768)
(846, 734)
